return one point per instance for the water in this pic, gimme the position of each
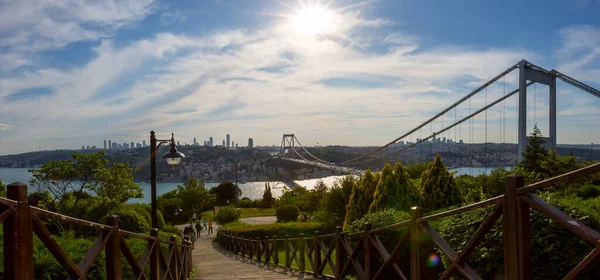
(252, 190)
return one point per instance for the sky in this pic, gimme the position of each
(75, 72)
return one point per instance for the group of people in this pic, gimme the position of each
(192, 231)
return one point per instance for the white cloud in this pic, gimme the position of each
(4, 126)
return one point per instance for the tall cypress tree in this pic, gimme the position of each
(361, 197)
(395, 190)
(438, 187)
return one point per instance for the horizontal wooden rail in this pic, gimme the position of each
(561, 179)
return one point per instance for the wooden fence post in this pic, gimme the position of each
(517, 231)
(367, 248)
(266, 250)
(415, 260)
(18, 236)
(339, 253)
(154, 267)
(286, 246)
(113, 250)
(317, 253)
(275, 251)
(258, 250)
(301, 259)
(173, 265)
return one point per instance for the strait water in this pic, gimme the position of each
(252, 190)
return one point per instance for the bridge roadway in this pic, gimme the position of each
(212, 262)
(342, 169)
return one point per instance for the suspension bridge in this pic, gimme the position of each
(412, 146)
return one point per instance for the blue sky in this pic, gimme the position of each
(346, 72)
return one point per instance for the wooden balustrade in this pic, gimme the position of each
(360, 257)
(21, 220)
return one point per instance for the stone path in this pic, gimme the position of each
(213, 262)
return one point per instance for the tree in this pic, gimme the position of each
(2, 189)
(70, 181)
(361, 197)
(438, 187)
(267, 200)
(320, 187)
(169, 204)
(395, 190)
(225, 193)
(534, 152)
(194, 197)
(332, 210)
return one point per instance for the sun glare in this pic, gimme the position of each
(313, 20)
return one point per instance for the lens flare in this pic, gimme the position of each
(433, 260)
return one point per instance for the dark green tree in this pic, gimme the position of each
(361, 197)
(194, 198)
(438, 187)
(395, 190)
(225, 193)
(333, 204)
(534, 152)
(267, 200)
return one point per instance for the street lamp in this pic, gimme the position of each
(173, 158)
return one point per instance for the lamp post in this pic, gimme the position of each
(173, 158)
(236, 183)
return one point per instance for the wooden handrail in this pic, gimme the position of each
(21, 221)
(560, 179)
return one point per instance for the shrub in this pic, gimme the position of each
(130, 219)
(287, 213)
(438, 186)
(588, 191)
(394, 190)
(173, 230)
(555, 250)
(227, 214)
(280, 229)
(361, 197)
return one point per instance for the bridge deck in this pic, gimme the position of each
(213, 262)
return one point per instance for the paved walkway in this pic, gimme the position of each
(213, 262)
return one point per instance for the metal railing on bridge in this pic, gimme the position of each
(359, 256)
(21, 220)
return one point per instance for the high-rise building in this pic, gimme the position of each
(211, 141)
(83, 147)
(236, 145)
(105, 144)
(223, 143)
(228, 141)
(109, 145)
(144, 143)
(195, 141)
(88, 147)
(131, 145)
(250, 143)
(232, 144)
(178, 143)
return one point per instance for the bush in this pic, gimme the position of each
(227, 214)
(280, 229)
(173, 230)
(131, 220)
(588, 191)
(287, 213)
(555, 250)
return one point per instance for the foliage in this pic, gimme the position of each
(555, 250)
(538, 163)
(267, 200)
(395, 190)
(333, 203)
(469, 188)
(293, 229)
(320, 187)
(225, 193)
(438, 186)
(227, 214)
(173, 230)
(287, 213)
(361, 197)
(2, 189)
(415, 170)
(43, 200)
(68, 180)
(131, 219)
(588, 191)
(179, 206)
(307, 201)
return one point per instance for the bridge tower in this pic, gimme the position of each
(529, 72)
(287, 141)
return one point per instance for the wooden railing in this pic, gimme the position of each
(21, 220)
(366, 250)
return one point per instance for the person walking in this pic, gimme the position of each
(198, 228)
(205, 224)
(210, 228)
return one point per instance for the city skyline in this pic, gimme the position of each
(361, 73)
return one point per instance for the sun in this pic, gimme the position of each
(313, 20)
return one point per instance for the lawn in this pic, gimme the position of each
(307, 265)
(246, 213)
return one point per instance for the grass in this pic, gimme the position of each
(307, 265)
(246, 213)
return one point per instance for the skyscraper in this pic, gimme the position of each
(194, 141)
(232, 144)
(228, 141)
(211, 142)
(131, 145)
(250, 143)
(105, 144)
(223, 143)
(109, 145)
(144, 143)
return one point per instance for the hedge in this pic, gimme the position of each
(287, 213)
(292, 229)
